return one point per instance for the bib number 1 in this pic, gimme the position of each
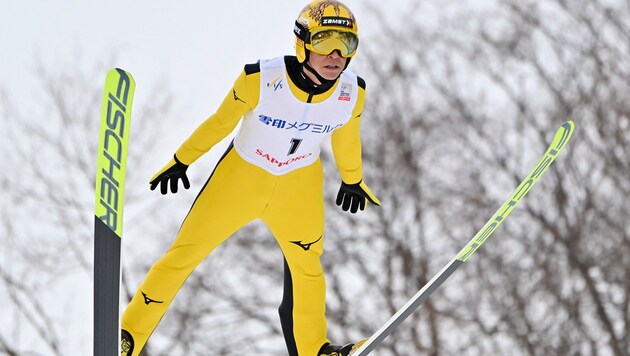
(295, 143)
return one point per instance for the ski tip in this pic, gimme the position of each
(562, 136)
(121, 73)
(569, 124)
(118, 69)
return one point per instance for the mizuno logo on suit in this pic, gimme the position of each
(306, 246)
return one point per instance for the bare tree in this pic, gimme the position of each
(49, 164)
(47, 230)
(461, 104)
(462, 100)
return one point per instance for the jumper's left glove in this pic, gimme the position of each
(353, 196)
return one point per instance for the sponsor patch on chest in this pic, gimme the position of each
(346, 91)
(281, 162)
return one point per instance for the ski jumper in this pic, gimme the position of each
(271, 171)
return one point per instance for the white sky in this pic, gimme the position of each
(198, 47)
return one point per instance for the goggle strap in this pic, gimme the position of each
(302, 32)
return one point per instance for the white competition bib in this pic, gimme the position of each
(283, 133)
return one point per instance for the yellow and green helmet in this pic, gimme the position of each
(324, 26)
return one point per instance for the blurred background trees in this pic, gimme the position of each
(462, 101)
(48, 180)
(460, 109)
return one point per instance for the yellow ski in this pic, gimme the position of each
(108, 212)
(560, 140)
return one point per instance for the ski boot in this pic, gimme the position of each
(335, 350)
(126, 343)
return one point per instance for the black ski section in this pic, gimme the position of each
(106, 289)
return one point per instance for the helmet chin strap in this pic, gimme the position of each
(321, 79)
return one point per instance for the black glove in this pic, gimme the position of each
(173, 171)
(353, 196)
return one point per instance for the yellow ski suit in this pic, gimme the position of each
(239, 192)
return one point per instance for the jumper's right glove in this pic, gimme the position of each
(173, 171)
(353, 196)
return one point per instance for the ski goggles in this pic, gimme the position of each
(328, 40)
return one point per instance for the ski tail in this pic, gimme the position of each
(106, 289)
(560, 140)
(108, 212)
